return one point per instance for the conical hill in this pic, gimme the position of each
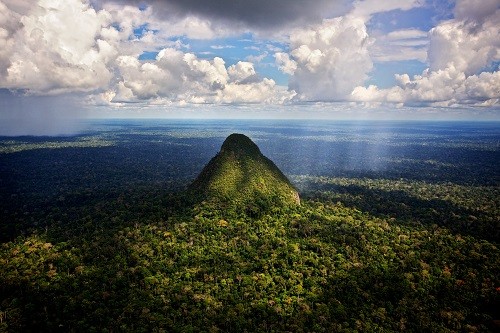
(241, 175)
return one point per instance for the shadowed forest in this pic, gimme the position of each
(398, 230)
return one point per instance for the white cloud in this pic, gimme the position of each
(446, 87)
(485, 86)
(257, 58)
(285, 64)
(468, 45)
(264, 91)
(407, 44)
(366, 8)
(459, 50)
(178, 77)
(57, 47)
(222, 47)
(242, 71)
(191, 27)
(406, 34)
(9, 23)
(327, 60)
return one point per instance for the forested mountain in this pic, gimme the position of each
(239, 177)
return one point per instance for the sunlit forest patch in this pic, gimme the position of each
(480, 198)
(15, 146)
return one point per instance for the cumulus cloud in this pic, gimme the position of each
(443, 87)
(327, 60)
(241, 72)
(468, 45)
(285, 64)
(459, 51)
(57, 47)
(9, 24)
(44, 54)
(181, 77)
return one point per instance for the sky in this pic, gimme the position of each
(348, 59)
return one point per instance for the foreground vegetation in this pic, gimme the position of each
(101, 238)
(155, 263)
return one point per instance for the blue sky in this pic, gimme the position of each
(177, 58)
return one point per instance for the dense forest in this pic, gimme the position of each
(397, 230)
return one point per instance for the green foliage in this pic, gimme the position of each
(92, 241)
(318, 267)
(473, 210)
(240, 178)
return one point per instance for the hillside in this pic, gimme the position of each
(240, 176)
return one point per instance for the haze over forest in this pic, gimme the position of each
(343, 59)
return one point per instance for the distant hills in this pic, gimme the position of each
(241, 177)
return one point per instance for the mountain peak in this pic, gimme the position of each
(239, 143)
(242, 177)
